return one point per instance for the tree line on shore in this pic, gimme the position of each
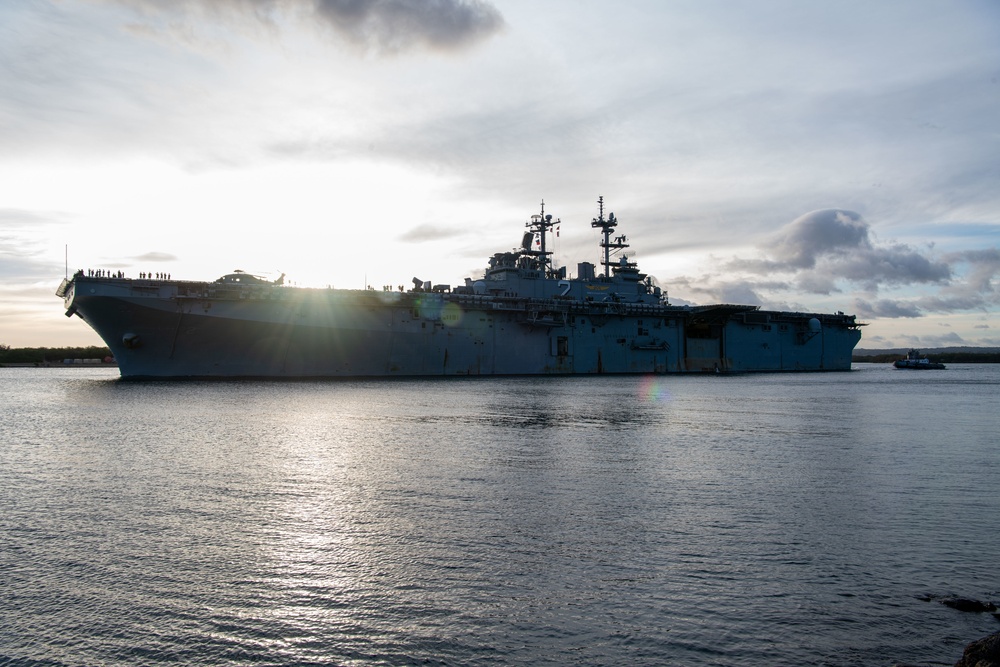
(940, 357)
(50, 355)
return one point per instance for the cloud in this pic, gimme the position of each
(707, 290)
(14, 218)
(396, 25)
(945, 340)
(156, 257)
(819, 233)
(895, 264)
(833, 251)
(422, 233)
(24, 266)
(830, 245)
(975, 287)
(972, 289)
(968, 290)
(815, 283)
(23, 257)
(984, 266)
(378, 26)
(887, 308)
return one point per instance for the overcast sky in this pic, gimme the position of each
(801, 155)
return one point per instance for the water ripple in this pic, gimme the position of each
(776, 519)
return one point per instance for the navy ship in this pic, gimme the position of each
(523, 316)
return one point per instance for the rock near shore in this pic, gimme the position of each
(965, 604)
(982, 653)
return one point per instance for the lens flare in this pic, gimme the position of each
(653, 389)
(451, 314)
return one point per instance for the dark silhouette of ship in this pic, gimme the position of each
(523, 316)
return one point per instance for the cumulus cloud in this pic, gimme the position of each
(975, 288)
(831, 245)
(380, 26)
(817, 234)
(833, 251)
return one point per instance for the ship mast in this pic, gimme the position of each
(540, 224)
(606, 226)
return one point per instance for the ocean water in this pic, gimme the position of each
(703, 520)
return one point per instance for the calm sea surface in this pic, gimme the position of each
(710, 520)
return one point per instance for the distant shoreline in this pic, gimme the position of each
(56, 356)
(869, 352)
(98, 357)
(953, 356)
(57, 364)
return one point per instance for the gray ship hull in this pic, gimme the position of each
(180, 329)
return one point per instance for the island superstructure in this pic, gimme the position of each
(523, 316)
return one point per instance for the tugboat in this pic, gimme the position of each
(915, 361)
